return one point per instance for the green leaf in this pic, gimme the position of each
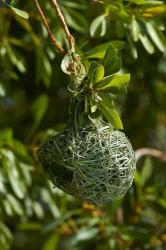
(6, 230)
(15, 204)
(157, 36)
(92, 69)
(38, 210)
(111, 61)
(7, 207)
(98, 27)
(99, 51)
(25, 171)
(106, 106)
(16, 58)
(107, 100)
(85, 234)
(93, 104)
(112, 116)
(116, 84)
(99, 74)
(20, 13)
(146, 43)
(9, 163)
(135, 30)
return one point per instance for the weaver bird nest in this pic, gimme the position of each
(95, 163)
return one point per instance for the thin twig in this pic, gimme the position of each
(64, 25)
(150, 152)
(50, 34)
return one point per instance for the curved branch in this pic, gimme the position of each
(50, 34)
(150, 152)
(64, 25)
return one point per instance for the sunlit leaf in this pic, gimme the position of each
(98, 27)
(85, 234)
(99, 51)
(146, 43)
(107, 108)
(99, 73)
(7, 207)
(15, 204)
(9, 163)
(20, 13)
(135, 30)
(116, 84)
(157, 36)
(38, 209)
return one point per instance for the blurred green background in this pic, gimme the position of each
(33, 104)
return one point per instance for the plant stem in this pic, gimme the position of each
(64, 25)
(50, 34)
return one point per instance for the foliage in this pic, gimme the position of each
(33, 104)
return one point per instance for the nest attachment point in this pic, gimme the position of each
(95, 163)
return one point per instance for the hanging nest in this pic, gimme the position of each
(95, 163)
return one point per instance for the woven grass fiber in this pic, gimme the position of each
(95, 163)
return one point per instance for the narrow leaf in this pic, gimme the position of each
(99, 74)
(86, 234)
(9, 163)
(15, 204)
(20, 13)
(135, 30)
(106, 106)
(146, 43)
(98, 27)
(92, 69)
(112, 116)
(156, 36)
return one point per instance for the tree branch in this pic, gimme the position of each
(64, 25)
(50, 34)
(150, 152)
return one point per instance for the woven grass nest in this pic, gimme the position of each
(95, 163)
